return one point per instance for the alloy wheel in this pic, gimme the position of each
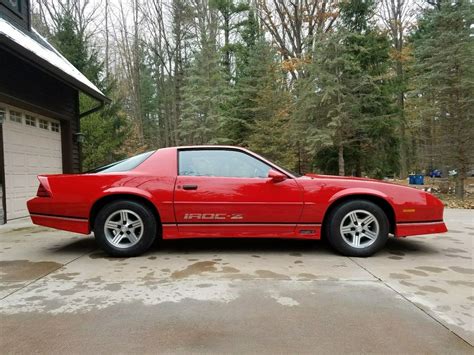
(359, 228)
(123, 228)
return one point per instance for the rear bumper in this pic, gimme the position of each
(417, 228)
(77, 225)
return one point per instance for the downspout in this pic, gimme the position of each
(92, 110)
(78, 134)
(3, 201)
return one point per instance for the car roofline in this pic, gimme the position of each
(209, 146)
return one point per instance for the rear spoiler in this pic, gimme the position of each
(44, 189)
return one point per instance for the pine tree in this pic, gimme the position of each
(345, 101)
(75, 47)
(150, 103)
(105, 130)
(443, 78)
(266, 103)
(252, 60)
(206, 99)
(228, 10)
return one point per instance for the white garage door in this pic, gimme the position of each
(32, 146)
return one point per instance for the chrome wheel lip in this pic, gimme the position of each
(359, 228)
(123, 229)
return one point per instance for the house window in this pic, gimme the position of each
(16, 116)
(30, 120)
(43, 124)
(16, 10)
(12, 5)
(55, 126)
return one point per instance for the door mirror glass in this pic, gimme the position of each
(276, 176)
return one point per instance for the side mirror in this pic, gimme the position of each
(276, 176)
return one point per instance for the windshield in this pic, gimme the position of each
(122, 165)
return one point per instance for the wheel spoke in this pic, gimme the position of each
(117, 239)
(124, 216)
(135, 224)
(346, 229)
(353, 217)
(368, 220)
(132, 237)
(356, 240)
(111, 225)
(369, 234)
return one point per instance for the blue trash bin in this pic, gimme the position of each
(416, 179)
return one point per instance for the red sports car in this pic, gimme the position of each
(223, 191)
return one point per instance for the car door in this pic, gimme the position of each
(227, 192)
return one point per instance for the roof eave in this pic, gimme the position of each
(51, 69)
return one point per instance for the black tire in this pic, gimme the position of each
(344, 243)
(137, 213)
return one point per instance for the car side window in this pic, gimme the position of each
(221, 163)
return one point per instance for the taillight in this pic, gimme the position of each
(42, 192)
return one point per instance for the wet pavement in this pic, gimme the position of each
(60, 294)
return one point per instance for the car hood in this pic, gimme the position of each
(359, 182)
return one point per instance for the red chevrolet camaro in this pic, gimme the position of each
(223, 191)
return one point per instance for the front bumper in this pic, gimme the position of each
(418, 228)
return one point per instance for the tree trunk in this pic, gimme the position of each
(403, 150)
(341, 160)
(227, 43)
(403, 138)
(107, 39)
(460, 187)
(137, 77)
(178, 83)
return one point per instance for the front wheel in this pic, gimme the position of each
(125, 228)
(358, 228)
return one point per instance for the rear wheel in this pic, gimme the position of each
(357, 228)
(125, 228)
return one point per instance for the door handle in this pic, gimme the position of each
(190, 187)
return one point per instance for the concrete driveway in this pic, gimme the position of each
(60, 294)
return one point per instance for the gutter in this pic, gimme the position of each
(92, 110)
(30, 57)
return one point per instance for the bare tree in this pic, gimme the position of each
(107, 59)
(293, 24)
(127, 38)
(84, 13)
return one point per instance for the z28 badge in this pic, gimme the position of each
(211, 216)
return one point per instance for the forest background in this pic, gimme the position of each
(378, 88)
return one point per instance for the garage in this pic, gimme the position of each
(40, 110)
(32, 146)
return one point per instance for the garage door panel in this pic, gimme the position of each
(33, 163)
(29, 151)
(14, 160)
(19, 182)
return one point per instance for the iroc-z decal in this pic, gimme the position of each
(213, 216)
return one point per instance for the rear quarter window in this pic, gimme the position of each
(122, 165)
